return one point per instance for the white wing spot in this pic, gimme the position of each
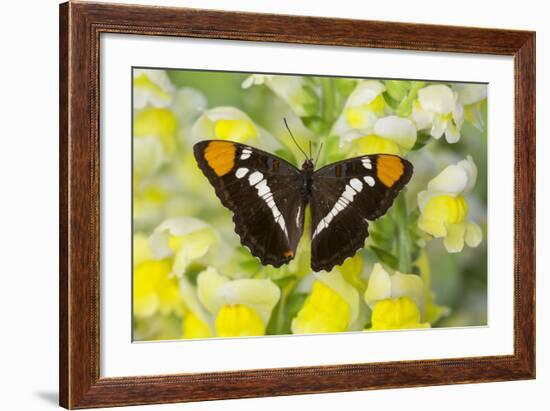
(367, 163)
(298, 216)
(262, 188)
(369, 180)
(282, 224)
(241, 172)
(246, 153)
(345, 199)
(320, 227)
(255, 178)
(349, 193)
(356, 184)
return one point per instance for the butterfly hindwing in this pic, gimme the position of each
(262, 191)
(344, 196)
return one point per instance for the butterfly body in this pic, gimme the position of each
(268, 197)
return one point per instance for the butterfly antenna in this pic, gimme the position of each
(310, 149)
(318, 155)
(293, 139)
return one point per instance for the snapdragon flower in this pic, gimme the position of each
(397, 301)
(438, 110)
(154, 290)
(363, 107)
(230, 123)
(390, 135)
(471, 96)
(444, 209)
(292, 89)
(185, 239)
(240, 307)
(151, 87)
(331, 306)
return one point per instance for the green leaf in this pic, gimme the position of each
(286, 309)
(283, 282)
(382, 232)
(331, 151)
(315, 124)
(285, 154)
(405, 107)
(345, 86)
(380, 239)
(390, 101)
(293, 306)
(397, 89)
(386, 257)
(312, 105)
(192, 272)
(251, 266)
(422, 138)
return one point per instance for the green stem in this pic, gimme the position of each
(280, 321)
(402, 238)
(328, 102)
(328, 115)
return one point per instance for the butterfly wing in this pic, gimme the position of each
(345, 195)
(263, 192)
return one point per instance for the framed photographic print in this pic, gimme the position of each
(256, 205)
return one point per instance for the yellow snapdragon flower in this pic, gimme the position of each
(225, 123)
(391, 135)
(396, 314)
(444, 208)
(151, 87)
(239, 320)
(184, 239)
(397, 301)
(331, 306)
(154, 289)
(236, 308)
(159, 123)
(363, 107)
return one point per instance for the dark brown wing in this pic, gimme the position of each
(262, 191)
(345, 195)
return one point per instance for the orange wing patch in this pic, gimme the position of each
(288, 253)
(389, 169)
(220, 156)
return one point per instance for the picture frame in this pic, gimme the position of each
(80, 381)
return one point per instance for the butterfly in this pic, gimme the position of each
(268, 197)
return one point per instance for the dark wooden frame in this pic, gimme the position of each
(79, 380)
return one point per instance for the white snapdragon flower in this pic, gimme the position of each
(438, 109)
(292, 89)
(471, 96)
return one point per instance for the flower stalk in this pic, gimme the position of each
(402, 238)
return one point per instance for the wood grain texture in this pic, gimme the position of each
(80, 27)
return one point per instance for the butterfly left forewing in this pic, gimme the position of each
(262, 191)
(345, 196)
